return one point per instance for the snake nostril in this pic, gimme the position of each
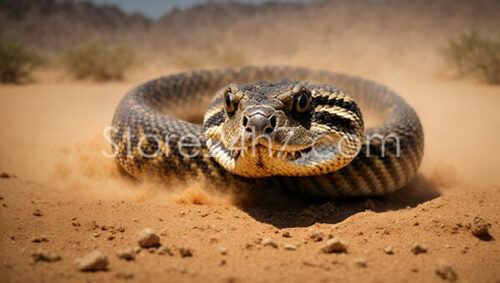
(245, 121)
(248, 129)
(268, 130)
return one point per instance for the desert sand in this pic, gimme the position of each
(61, 195)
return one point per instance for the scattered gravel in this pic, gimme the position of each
(479, 228)
(389, 251)
(290, 247)
(94, 261)
(316, 236)
(43, 255)
(165, 251)
(419, 248)
(446, 272)
(148, 238)
(335, 245)
(126, 254)
(269, 242)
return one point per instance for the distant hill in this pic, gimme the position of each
(55, 24)
(269, 28)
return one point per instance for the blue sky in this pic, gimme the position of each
(156, 8)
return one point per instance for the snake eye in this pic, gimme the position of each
(229, 103)
(302, 102)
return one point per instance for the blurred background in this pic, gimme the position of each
(109, 39)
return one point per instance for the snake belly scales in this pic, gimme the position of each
(147, 130)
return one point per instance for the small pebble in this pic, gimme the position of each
(40, 239)
(286, 234)
(222, 251)
(4, 175)
(446, 272)
(94, 261)
(419, 248)
(335, 245)
(126, 254)
(389, 251)
(360, 262)
(185, 252)
(148, 238)
(37, 212)
(479, 228)
(269, 242)
(43, 255)
(290, 247)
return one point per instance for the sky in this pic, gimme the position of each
(157, 8)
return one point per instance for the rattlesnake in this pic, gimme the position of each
(270, 126)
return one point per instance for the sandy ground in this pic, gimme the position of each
(52, 141)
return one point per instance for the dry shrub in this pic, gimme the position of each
(472, 54)
(16, 62)
(210, 57)
(99, 62)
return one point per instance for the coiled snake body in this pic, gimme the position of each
(270, 126)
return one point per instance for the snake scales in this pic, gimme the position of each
(318, 110)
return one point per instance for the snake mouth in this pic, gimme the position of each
(282, 154)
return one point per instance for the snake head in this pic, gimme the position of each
(287, 128)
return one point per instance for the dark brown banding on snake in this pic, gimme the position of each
(141, 113)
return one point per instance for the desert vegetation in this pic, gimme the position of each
(209, 57)
(228, 34)
(475, 55)
(17, 62)
(99, 62)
